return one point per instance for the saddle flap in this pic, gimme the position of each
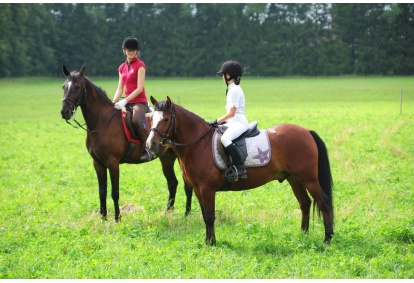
(129, 130)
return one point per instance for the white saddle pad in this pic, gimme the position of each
(258, 151)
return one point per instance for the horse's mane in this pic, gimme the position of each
(162, 106)
(98, 89)
(75, 76)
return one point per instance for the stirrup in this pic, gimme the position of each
(147, 156)
(232, 174)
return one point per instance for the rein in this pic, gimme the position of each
(185, 144)
(165, 141)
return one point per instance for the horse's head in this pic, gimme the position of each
(73, 92)
(162, 121)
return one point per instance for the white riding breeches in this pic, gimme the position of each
(235, 129)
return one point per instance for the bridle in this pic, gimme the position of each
(73, 105)
(165, 137)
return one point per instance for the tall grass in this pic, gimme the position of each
(49, 219)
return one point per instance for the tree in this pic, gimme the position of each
(183, 39)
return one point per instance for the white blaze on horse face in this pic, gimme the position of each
(157, 116)
(69, 86)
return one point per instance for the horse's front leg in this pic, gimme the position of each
(101, 173)
(207, 201)
(114, 173)
(167, 163)
(189, 193)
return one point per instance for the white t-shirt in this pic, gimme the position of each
(235, 97)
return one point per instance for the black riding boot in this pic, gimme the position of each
(143, 135)
(237, 170)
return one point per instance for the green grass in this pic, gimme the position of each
(49, 219)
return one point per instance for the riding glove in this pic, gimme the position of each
(213, 123)
(121, 104)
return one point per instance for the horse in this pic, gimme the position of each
(106, 140)
(297, 155)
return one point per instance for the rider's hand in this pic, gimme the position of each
(121, 104)
(213, 123)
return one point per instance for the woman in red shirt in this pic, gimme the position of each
(132, 78)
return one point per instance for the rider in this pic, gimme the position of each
(132, 78)
(235, 117)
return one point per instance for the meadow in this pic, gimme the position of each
(49, 216)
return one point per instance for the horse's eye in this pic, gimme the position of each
(166, 119)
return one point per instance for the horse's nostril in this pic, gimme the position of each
(65, 114)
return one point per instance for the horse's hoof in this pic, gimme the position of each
(211, 242)
(118, 219)
(328, 239)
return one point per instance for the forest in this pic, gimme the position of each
(193, 40)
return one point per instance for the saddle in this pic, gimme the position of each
(254, 145)
(130, 132)
(129, 129)
(252, 131)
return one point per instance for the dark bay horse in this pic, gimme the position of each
(106, 141)
(297, 155)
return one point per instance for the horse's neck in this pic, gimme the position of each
(191, 129)
(96, 105)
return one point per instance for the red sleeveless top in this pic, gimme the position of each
(129, 75)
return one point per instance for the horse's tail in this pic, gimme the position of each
(324, 172)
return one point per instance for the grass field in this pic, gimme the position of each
(49, 219)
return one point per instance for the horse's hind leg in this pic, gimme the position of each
(101, 174)
(303, 199)
(167, 163)
(322, 201)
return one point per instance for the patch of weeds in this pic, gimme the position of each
(403, 234)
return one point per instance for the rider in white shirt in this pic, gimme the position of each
(235, 117)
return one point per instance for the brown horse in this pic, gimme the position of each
(106, 141)
(297, 155)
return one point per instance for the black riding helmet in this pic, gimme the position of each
(130, 43)
(232, 68)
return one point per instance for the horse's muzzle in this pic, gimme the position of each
(150, 143)
(66, 113)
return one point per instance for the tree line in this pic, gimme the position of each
(193, 40)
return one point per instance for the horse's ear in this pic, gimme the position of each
(153, 100)
(65, 71)
(168, 102)
(82, 70)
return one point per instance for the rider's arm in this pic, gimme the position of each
(119, 90)
(228, 115)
